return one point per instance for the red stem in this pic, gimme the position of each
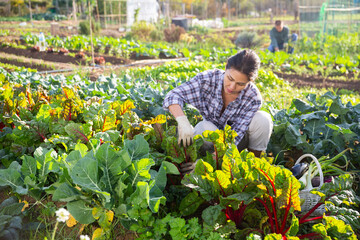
(122, 113)
(186, 157)
(274, 212)
(271, 181)
(313, 209)
(268, 213)
(70, 107)
(27, 96)
(311, 219)
(177, 155)
(84, 137)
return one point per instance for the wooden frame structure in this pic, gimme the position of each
(109, 15)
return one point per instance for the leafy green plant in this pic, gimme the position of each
(11, 219)
(85, 27)
(142, 30)
(323, 126)
(248, 40)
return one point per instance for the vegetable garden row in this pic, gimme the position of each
(107, 152)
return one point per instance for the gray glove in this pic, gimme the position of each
(187, 168)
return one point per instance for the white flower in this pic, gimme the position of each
(62, 215)
(84, 237)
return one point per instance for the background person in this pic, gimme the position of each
(279, 36)
(223, 98)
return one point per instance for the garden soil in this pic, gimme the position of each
(318, 82)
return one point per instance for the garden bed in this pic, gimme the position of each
(56, 57)
(317, 82)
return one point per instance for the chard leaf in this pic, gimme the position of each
(108, 136)
(222, 183)
(335, 229)
(198, 183)
(78, 132)
(230, 162)
(173, 149)
(273, 236)
(349, 216)
(81, 212)
(294, 227)
(44, 113)
(190, 203)
(247, 196)
(203, 168)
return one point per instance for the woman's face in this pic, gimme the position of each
(234, 82)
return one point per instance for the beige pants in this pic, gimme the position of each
(256, 137)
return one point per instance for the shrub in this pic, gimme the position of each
(157, 35)
(85, 27)
(248, 40)
(172, 34)
(219, 41)
(141, 30)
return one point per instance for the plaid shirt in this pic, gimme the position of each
(204, 93)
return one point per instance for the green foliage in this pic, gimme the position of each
(142, 31)
(11, 219)
(248, 40)
(323, 126)
(334, 229)
(85, 27)
(157, 35)
(219, 41)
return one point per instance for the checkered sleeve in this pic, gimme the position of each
(188, 92)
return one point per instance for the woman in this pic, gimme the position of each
(223, 98)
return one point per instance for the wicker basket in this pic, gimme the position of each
(310, 200)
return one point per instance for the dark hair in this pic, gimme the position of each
(246, 62)
(278, 22)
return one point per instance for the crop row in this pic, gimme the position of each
(106, 150)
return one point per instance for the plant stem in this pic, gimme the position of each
(55, 228)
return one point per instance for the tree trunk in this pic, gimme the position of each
(30, 11)
(91, 36)
(74, 12)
